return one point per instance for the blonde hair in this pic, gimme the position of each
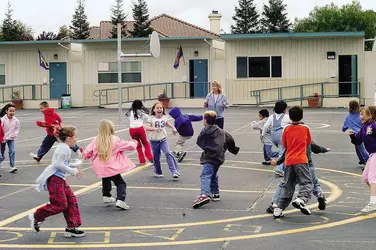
(219, 86)
(210, 117)
(368, 113)
(106, 130)
(372, 110)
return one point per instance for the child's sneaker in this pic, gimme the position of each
(13, 170)
(271, 208)
(216, 197)
(158, 175)
(279, 174)
(122, 205)
(34, 224)
(35, 157)
(299, 204)
(108, 199)
(265, 163)
(73, 232)
(322, 203)
(277, 213)
(369, 208)
(200, 201)
(176, 175)
(181, 156)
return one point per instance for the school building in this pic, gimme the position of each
(255, 69)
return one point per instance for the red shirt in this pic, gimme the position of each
(295, 139)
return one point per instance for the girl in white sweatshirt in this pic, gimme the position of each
(11, 127)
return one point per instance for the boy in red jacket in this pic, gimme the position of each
(52, 123)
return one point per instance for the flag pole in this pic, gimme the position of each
(120, 94)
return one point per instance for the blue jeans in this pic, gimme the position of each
(12, 153)
(277, 140)
(157, 147)
(47, 144)
(317, 191)
(209, 179)
(362, 153)
(269, 153)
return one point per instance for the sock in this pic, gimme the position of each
(373, 199)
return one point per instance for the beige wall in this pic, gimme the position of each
(303, 61)
(370, 77)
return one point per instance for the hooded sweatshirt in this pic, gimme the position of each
(214, 141)
(52, 122)
(366, 135)
(183, 122)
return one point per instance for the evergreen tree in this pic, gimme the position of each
(80, 25)
(47, 36)
(63, 33)
(246, 18)
(118, 16)
(274, 18)
(9, 27)
(141, 26)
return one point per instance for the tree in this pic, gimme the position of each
(47, 36)
(246, 18)
(15, 30)
(80, 25)
(274, 18)
(331, 18)
(26, 32)
(141, 27)
(118, 16)
(64, 33)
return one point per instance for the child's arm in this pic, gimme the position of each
(265, 128)
(16, 130)
(195, 118)
(60, 165)
(149, 124)
(174, 131)
(89, 150)
(356, 139)
(123, 145)
(345, 126)
(280, 160)
(284, 142)
(230, 144)
(201, 141)
(316, 149)
(309, 138)
(258, 125)
(58, 118)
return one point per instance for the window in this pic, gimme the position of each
(259, 67)
(130, 72)
(2, 74)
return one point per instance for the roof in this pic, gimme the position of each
(164, 24)
(227, 37)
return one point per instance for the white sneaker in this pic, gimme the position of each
(122, 205)
(277, 213)
(369, 208)
(176, 175)
(158, 175)
(108, 199)
(299, 204)
(33, 155)
(13, 170)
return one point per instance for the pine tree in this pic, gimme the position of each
(246, 18)
(118, 16)
(10, 31)
(80, 25)
(275, 17)
(47, 36)
(141, 26)
(64, 33)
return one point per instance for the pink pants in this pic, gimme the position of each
(369, 173)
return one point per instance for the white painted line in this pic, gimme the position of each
(29, 139)
(247, 125)
(256, 152)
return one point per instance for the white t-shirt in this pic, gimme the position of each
(158, 123)
(139, 122)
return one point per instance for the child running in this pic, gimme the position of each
(214, 142)
(267, 138)
(107, 153)
(352, 121)
(183, 124)
(296, 137)
(62, 198)
(157, 123)
(137, 114)
(52, 123)
(367, 135)
(11, 127)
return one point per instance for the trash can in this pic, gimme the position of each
(65, 101)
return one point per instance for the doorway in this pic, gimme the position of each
(198, 78)
(58, 80)
(348, 75)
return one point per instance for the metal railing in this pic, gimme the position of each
(304, 91)
(30, 91)
(148, 92)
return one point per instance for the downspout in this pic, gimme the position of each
(211, 64)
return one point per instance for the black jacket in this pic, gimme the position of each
(214, 141)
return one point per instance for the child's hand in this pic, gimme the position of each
(158, 130)
(174, 131)
(351, 132)
(80, 174)
(328, 149)
(273, 162)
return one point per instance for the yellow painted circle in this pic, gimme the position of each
(18, 236)
(324, 220)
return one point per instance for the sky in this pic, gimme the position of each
(49, 15)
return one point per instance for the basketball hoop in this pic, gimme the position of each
(155, 50)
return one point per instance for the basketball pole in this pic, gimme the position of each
(120, 94)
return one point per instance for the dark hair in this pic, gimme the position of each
(354, 106)
(137, 105)
(4, 110)
(155, 104)
(65, 132)
(44, 104)
(372, 110)
(264, 113)
(280, 107)
(210, 117)
(296, 113)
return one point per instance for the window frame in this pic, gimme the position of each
(258, 78)
(3, 84)
(122, 72)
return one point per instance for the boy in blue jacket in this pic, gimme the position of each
(183, 124)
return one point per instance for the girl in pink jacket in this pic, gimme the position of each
(109, 161)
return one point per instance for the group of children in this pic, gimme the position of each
(106, 151)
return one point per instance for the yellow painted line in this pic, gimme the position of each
(340, 172)
(16, 192)
(196, 189)
(336, 192)
(78, 192)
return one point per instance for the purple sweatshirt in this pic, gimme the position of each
(366, 135)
